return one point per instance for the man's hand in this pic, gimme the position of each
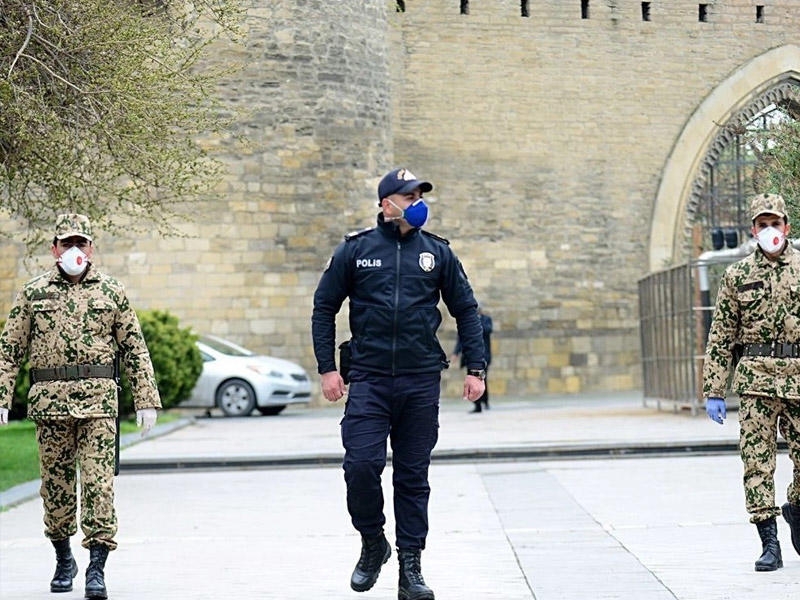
(333, 387)
(473, 388)
(716, 410)
(146, 418)
(3, 416)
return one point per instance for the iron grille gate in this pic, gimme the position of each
(671, 326)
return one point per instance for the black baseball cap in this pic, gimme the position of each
(401, 181)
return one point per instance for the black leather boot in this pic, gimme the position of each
(375, 551)
(770, 559)
(66, 567)
(412, 585)
(95, 577)
(791, 513)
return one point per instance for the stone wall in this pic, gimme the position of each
(546, 138)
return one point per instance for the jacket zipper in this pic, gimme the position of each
(396, 305)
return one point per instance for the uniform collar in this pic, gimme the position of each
(783, 258)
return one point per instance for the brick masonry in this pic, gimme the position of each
(547, 138)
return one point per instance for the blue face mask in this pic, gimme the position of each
(416, 214)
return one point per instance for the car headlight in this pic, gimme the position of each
(266, 371)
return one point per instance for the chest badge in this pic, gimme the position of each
(426, 261)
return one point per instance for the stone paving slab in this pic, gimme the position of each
(629, 529)
(560, 530)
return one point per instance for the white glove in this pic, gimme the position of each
(146, 418)
(3, 416)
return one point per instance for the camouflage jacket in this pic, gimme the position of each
(758, 302)
(60, 323)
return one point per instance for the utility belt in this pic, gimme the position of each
(773, 350)
(70, 372)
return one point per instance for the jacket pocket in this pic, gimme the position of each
(44, 316)
(100, 316)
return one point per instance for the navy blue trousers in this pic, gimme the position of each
(404, 409)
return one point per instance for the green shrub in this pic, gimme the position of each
(176, 361)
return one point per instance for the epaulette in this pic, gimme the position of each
(436, 237)
(354, 234)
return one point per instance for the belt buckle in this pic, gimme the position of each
(772, 349)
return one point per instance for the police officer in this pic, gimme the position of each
(71, 320)
(394, 275)
(758, 306)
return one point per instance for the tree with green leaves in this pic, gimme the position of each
(101, 106)
(778, 167)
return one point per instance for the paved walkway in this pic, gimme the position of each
(661, 527)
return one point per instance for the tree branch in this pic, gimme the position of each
(25, 43)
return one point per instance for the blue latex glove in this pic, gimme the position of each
(715, 408)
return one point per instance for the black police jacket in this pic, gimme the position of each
(394, 283)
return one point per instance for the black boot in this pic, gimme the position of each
(375, 551)
(95, 577)
(412, 585)
(771, 557)
(66, 567)
(791, 513)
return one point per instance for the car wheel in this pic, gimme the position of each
(236, 398)
(271, 410)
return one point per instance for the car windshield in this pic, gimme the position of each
(225, 347)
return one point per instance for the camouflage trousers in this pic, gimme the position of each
(66, 447)
(760, 419)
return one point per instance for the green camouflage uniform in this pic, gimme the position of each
(759, 303)
(60, 323)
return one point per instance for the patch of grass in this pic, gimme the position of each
(20, 454)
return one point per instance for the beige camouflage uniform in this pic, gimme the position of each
(758, 302)
(62, 323)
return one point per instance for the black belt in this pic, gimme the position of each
(72, 372)
(775, 349)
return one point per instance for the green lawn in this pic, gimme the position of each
(19, 456)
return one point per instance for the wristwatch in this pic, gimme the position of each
(479, 373)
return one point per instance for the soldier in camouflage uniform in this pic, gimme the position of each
(758, 307)
(71, 321)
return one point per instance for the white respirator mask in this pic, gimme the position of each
(73, 261)
(771, 240)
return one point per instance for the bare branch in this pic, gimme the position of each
(53, 73)
(24, 44)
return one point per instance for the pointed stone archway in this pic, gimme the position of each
(767, 78)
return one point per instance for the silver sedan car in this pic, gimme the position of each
(237, 381)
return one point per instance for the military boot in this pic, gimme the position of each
(770, 558)
(375, 551)
(791, 513)
(66, 567)
(95, 577)
(411, 585)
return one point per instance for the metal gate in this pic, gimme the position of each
(675, 308)
(670, 326)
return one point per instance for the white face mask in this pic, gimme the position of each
(73, 261)
(771, 239)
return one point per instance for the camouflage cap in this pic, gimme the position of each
(72, 224)
(768, 204)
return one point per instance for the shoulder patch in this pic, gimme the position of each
(354, 234)
(434, 236)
